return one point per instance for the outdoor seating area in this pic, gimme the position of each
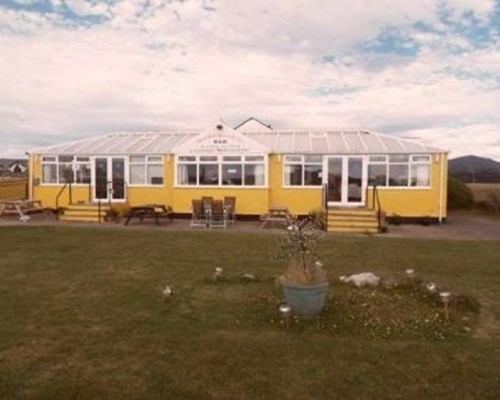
(208, 212)
(156, 211)
(277, 216)
(21, 208)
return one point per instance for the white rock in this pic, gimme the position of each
(363, 279)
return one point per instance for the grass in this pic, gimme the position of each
(81, 317)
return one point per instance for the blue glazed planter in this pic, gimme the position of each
(306, 301)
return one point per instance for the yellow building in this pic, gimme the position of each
(304, 170)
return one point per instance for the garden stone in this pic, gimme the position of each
(363, 279)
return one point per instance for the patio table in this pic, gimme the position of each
(21, 208)
(155, 211)
(277, 215)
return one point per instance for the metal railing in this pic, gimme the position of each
(66, 185)
(99, 218)
(377, 206)
(325, 205)
(90, 191)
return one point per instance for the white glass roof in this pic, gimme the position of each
(317, 141)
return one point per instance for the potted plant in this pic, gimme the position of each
(304, 283)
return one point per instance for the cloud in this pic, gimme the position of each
(480, 139)
(184, 64)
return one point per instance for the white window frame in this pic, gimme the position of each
(287, 161)
(220, 162)
(412, 161)
(147, 162)
(58, 163)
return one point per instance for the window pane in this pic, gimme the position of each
(155, 174)
(254, 158)
(313, 159)
(49, 173)
(254, 174)
(420, 158)
(378, 158)
(66, 173)
(398, 175)
(65, 159)
(137, 159)
(155, 159)
(82, 173)
(209, 174)
(398, 158)
(208, 158)
(312, 175)
(49, 159)
(377, 174)
(293, 159)
(187, 158)
(186, 174)
(82, 159)
(293, 175)
(420, 175)
(232, 174)
(137, 175)
(231, 158)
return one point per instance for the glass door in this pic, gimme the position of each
(118, 178)
(101, 178)
(334, 184)
(109, 178)
(346, 180)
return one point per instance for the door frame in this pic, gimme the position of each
(109, 179)
(344, 202)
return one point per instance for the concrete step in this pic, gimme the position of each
(79, 218)
(346, 229)
(87, 207)
(85, 212)
(351, 211)
(353, 224)
(72, 211)
(347, 218)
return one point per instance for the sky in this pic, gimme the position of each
(71, 69)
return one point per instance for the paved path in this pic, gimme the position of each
(458, 227)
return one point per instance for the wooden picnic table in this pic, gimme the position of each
(155, 211)
(21, 208)
(279, 215)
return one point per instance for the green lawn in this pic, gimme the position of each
(81, 317)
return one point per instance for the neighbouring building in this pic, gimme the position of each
(13, 167)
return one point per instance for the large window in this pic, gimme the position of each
(399, 170)
(63, 169)
(221, 171)
(146, 170)
(302, 170)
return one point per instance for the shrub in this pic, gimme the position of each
(492, 202)
(296, 247)
(459, 194)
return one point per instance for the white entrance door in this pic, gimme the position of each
(109, 179)
(346, 180)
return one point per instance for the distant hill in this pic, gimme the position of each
(475, 169)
